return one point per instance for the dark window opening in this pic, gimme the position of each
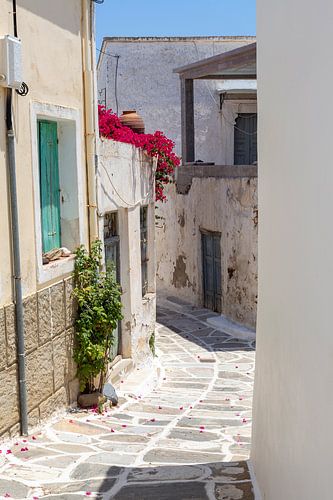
(144, 248)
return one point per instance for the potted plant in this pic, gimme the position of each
(99, 309)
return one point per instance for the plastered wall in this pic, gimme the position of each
(293, 403)
(52, 68)
(225, 205)
(126, 182)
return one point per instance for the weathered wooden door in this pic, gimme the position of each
(112, 257)
(49, 184)
(211, 266)
(245, 139)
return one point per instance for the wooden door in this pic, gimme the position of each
(211, 266)
(112, 257)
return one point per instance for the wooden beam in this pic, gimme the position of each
(240, 61)
(187, 119)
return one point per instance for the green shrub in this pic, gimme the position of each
(99, 310)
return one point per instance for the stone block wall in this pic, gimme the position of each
(49, 318)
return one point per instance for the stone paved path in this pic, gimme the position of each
(186, 439)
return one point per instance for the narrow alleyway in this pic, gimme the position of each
(188, 438)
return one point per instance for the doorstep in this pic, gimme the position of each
(129, 379)
(236, 330)
(119, 369)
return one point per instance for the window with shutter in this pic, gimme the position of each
(49, 184)
(245, 139)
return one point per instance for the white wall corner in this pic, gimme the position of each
(256, 491)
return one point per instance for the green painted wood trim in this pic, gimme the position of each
(49, 184)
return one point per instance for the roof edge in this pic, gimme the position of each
(177, 38)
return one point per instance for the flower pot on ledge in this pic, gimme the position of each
(133, 120)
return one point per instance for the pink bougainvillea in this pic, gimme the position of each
(155, 145)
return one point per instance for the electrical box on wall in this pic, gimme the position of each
(10, 62)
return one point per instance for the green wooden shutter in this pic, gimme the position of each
(49, 185)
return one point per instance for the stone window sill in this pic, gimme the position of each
(55, 269)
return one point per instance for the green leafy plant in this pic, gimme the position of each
(99, 310)
(152, 344)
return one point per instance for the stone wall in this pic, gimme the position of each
(223, 204)
(50, 370)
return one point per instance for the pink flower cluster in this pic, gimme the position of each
(156, 145)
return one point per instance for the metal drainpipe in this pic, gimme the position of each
(17, 279)
(90, 124)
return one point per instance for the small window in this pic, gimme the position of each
(144, 248)
(111, 241)
(245, 139)
(58, 184)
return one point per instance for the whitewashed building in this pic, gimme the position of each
(293, 402)
(142, 77)
(214, 200)
(126, 211)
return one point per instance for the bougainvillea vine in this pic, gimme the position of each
(155, 145)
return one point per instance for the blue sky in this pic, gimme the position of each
(175, 17)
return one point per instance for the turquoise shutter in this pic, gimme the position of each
(49, 185)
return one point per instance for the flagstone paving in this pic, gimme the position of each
(188, 438)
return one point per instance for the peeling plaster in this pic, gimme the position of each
(180, 278)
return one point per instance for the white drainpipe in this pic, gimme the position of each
(91, 125)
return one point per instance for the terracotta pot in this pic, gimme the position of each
(134, 121)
